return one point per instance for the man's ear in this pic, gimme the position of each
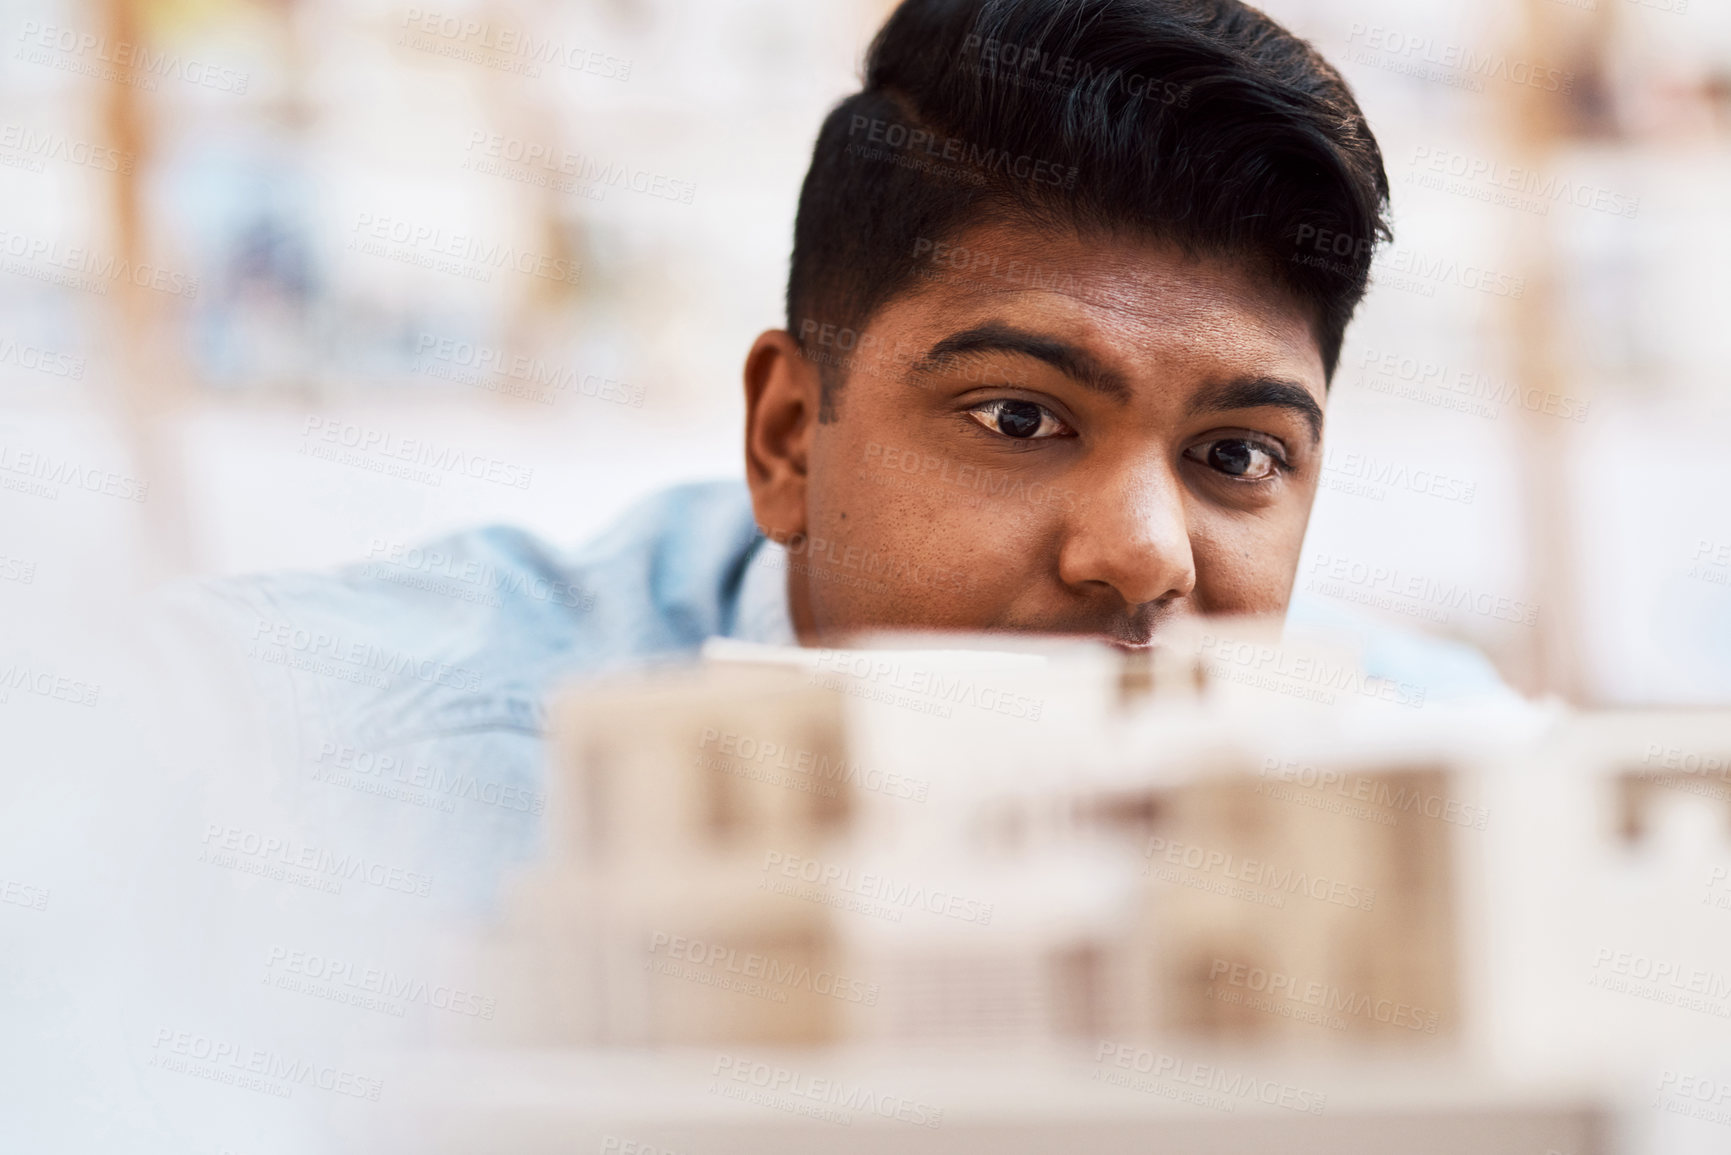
(782, 397)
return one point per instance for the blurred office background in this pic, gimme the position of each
(544, 234)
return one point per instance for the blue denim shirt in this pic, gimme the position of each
(420, 677)
(416, 681)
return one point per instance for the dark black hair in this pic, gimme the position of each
(1202, 122)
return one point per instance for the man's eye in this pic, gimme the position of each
(1237, 457)
(1022, 420)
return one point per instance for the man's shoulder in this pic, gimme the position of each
(477, 624)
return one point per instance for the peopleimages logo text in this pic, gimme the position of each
(878, 887)
(835, 1093)
(415, 451)
(1282, 986)
(930, 146)
(1259, 872)
(124, 57)
(236, 1059)
(951, 689)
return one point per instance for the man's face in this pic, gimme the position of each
(1054, 434)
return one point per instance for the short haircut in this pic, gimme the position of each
(1199, 122)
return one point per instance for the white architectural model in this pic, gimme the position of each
(969, 847)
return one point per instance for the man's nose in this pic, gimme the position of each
(1131, 534)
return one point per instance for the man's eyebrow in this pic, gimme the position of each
(997, 337)
(1255, 392)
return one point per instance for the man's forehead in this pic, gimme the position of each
(1121, 292)
(1136, 332)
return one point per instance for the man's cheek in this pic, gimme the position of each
(906, 558)
(1243, 570)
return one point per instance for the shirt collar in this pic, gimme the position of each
(761, 614)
